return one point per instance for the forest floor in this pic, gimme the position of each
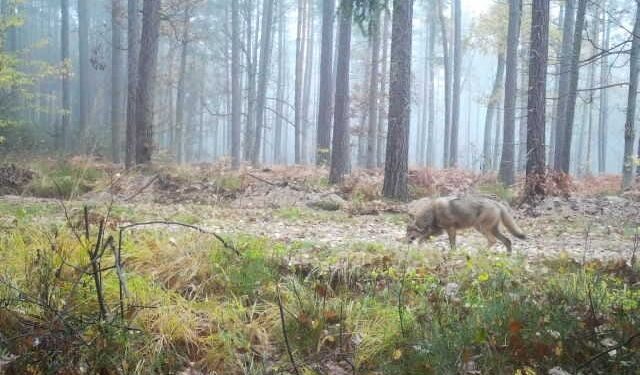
(302, 226)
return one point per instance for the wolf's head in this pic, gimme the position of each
(416, 233)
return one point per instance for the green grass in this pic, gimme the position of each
(395, 311)
(63, 180)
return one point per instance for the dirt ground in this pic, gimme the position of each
(283, 205)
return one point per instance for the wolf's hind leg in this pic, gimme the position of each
(491, 239)
(452, 238)
(502, 238)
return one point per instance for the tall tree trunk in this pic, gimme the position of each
(457, 76)
(522, 123)
(538, 55)
(236, 95)
(265, 62)
(323, 134)
(146, 76)
(431, 107)
(306, 90)
(491, 111)
(507, 167)
(116, 79)
(563, 154)
(282, 61)
(250, 51)
(629, 125)
(397, 160)
(604, 93)
(66, 88)
(300, 53)
(592, 82)
(447, 83)
(372, 131)
(340, 151)
(83, 50)
(564, 80)
(496, 138)
(382, 106)
(181, 90)
(133, 48)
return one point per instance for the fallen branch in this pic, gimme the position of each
(601, 354)
(163, 222)
(139, 191)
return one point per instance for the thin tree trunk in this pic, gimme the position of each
(282, 61)
(538, 55)
(629, 125)
(146, 77)
(563, 155)
(430, 84)
(133, 48)
(382, 105)
(604, 93)
(300, 53)
(116, 79)
(592, 82)
(507, 161)
(66, 88)
(457, 76)
(83, 51)
(181, 93)
(564, 80)
(323, 136)
(236, 95)
(306, 92)
(340, 152)
(491, 110)
(372, 131)
(397, 160)
(265, 62)
(447, 83)
(522, 123)
(496, 138)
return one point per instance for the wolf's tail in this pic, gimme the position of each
(510, 224)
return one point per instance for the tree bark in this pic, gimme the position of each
(491, 110)
(564, 81)
(146, 76)
(507, 161)
(629, 125)
(83, 51)
(299, 80)
(282, 79)
(306, 87)
(323, 141)
(563, 153)
(396, 167)
(181, 93)
(457, 76)
(604, 94)
(538, 55)
(133, 48)
(382, 106)
(265, 62)
(116, 80)
(66, 88)
(340, 152)
(431, 110)
(236, 95)
(447, 83)
(372, 131)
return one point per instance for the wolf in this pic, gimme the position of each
(432, 217)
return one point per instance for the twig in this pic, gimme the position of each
(284, 332)
(139, 191)
(163, 222)
(400, 306)
(619, 346)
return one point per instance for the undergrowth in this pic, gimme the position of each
(192, 303)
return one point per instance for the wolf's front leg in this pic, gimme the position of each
(452, 238)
